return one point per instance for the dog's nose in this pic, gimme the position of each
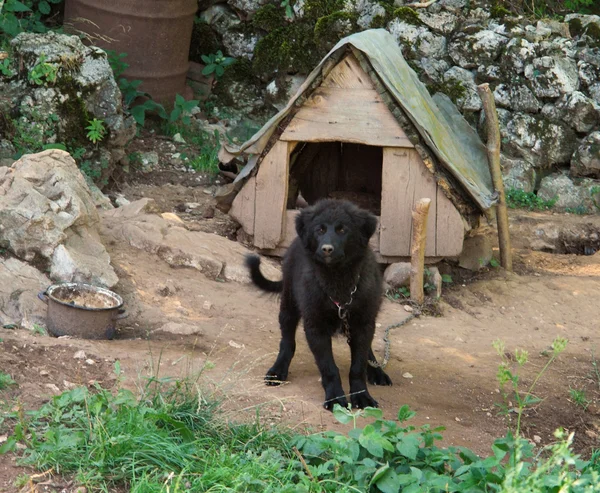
(327, 249)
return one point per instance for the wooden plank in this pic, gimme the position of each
(346, 115)
(405, 180)
(450, 229)
(290, 229)
(242, 208)
(348, 74)
(271, 196)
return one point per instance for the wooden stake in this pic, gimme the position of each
(493, 151)
(420, 214)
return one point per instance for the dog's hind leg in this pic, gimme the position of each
(289, 316)
(376, 376)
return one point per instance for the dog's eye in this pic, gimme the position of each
(321, 229)
(340, 229)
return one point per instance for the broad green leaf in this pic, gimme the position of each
(386, 480)
(408, 446)
(373, 412)
(44, 7)
(8, 446)
(404, 414)
(15, 6)
(343, 415)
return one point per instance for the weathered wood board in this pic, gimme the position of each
(271, 196)
(242, 208)
(449, 227)
(346, 107)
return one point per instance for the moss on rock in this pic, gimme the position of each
(407, 15)
(268, 18)
(204, 42)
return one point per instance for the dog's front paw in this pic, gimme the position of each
(329, 403)
(376, 376)
(275, 377)
(363, 399)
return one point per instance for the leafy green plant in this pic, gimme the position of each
(207, 159)
(289, 11)
(5, 68)
(494, 263)
(397, 293)
(508, 378)
(38, 330)
(24, 15)
(518, 199)
(577, 5)
(182, 109)
(447, 278)
(6, 380)
(31, 132)
(216, 63)
(579, 398)
(43, 73)
(95, 130)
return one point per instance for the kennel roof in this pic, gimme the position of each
(440, 126)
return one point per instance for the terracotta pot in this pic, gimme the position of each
(155, 34)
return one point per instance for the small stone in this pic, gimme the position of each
(208, 213)
(207, 305)
(407, 375)
(178, 138)
(90, 362)
(44, 373)
(53, 388)
(537, 439)
(69, 385)
(397, 274)
(121, 201)
(80, 355)
(408, 308)
(236, 345)
(207, 191)
(192, 205)
(457, 419)
(3, 438)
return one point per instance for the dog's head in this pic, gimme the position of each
(335, 231)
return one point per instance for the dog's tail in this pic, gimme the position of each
(253, 264)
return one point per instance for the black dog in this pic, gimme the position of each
(331, 279)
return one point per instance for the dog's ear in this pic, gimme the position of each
(367, 224)
(303, 220)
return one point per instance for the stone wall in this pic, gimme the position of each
(545, 74)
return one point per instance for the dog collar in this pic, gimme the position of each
(343, 307)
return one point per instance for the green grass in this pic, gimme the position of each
(518, 199)
(579, 398)
(202, 148)
(173, 438)
(5, 380)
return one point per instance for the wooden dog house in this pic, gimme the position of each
(348, 134)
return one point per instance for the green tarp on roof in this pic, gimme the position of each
(444, 130)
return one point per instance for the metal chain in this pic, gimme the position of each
(386, 340)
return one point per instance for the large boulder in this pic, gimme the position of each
(576, 109)
(586, 160)
(518, 173)
(517, 98)
(552, 76)
(570, 195)
(418, 41)
(20, 284)
(214, 256)
(463, 81)
(48, 215)
(57, 109)
(537, 140)
(480, 48)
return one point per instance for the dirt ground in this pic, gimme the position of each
(443, 367)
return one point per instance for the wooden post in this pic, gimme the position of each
(493, 151)
(417, 249)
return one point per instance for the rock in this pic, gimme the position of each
(397, 275)
(240, 44)
(90, 362)
(516, 97)
(45, 206)
(418, 41)
(221, 18)
(216, 257)
(149, 160)
(594, 91)
(586, 160)
(552, 76)
(589, 74)
(517, 173)
(435, 279)
(121, 201)
(568, 196)
(207, 305)
(537, 140)
(280, 90)
(82, 258)
(7, 149)
(476, 253)
(171, 217)
(443, 22)
(433, 68)
(469, 100)
(20, 284)
(518, 53)
(248, 7)
(91, 82)
(366, 11)
(102, 201)
(407, 375)
(489, 73)
(576, 109)
(44, 373)
(80, 355)
(180, 329)
(480, 48)
(178, 138)
(53, 388)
